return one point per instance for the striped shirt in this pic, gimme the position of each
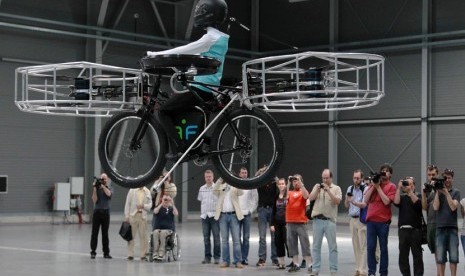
(208, 201)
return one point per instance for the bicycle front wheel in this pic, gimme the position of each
(130, 162)
(242, 138)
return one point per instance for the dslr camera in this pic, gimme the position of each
(405, 182)
(98, 182)
(375, 176)
(438, 183)
(428, 187)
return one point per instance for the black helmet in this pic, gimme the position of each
(210, 13)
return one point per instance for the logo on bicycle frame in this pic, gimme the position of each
(189, 130)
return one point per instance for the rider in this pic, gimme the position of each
(209, 14)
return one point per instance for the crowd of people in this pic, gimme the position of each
(285, 208)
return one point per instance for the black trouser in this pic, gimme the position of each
(410, 239)
(179, 103)
(101, 217)
(280, 239)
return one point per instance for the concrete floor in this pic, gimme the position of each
(63, 249)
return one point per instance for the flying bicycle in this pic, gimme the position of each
(133, 145)
(286, 83)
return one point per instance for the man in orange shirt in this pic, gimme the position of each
(297, 223)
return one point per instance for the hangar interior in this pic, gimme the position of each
(419, 121)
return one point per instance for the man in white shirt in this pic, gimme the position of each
(210, 226)
(229, 213)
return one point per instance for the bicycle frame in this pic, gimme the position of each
(182, 78)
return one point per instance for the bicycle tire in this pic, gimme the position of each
(228, 161)
(132, 168)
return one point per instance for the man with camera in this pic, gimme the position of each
(427, 197)
(297, 223)
(327, 196)
(410, 220)
(445, 203)
(101, 196)
(379, 197)
(358, 230)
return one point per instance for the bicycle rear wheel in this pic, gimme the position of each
(132, 164)
(243, 137)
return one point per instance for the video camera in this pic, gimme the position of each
(375, 176)
(438, 183)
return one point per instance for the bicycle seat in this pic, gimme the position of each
(189, 64)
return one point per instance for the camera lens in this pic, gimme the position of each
(405, 183)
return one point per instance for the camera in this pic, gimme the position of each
(375, 176)
(405, 182)
(292, 178)
(427, 187)
(438, 183)
(322, 186)
(349, 194)
(98, 182)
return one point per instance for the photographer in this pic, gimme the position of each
(379, 197)
(358, 230)
(327, 196)
(446, 203)
(410, 220)
(297, 223)
(101, 196)
(427, 197)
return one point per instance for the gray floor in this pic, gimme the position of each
(46, 249)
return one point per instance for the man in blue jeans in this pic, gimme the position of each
(210, 226)
(445, 203)
(266, 200)
(229, 213)
(327, 196)
(248, 203)
(379, 197)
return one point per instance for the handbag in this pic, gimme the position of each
(424, 231)
(125, 231)
(309, 209)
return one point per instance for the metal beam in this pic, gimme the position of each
(117, 20)
(190, 23)
(425, 142)
(160, 20)
(333, 115)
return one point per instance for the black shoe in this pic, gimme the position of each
(294, 268)
(261, 262)
(275, 262)
(107, 256)
(290, 265)
(244, 262)
(206, 261)
(130, 258)
(303, 264)
(92, 255)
